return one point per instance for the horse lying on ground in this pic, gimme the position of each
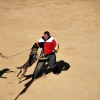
(33, 57)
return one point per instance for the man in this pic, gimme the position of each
(49, 47)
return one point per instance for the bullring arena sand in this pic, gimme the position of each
(76, 26)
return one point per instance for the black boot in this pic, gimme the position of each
(55, 70)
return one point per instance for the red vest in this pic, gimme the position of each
(49, 45)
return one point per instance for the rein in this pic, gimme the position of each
(7, 57)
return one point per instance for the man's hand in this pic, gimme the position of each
(54, 51)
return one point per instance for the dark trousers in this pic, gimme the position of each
(41, 63)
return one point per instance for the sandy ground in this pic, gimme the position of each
(76, 26)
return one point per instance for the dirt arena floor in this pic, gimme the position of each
(76, 26)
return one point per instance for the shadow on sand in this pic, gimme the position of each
(62, 66)
(6, 70)
(27, 85)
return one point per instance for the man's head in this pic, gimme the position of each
(46, 35)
